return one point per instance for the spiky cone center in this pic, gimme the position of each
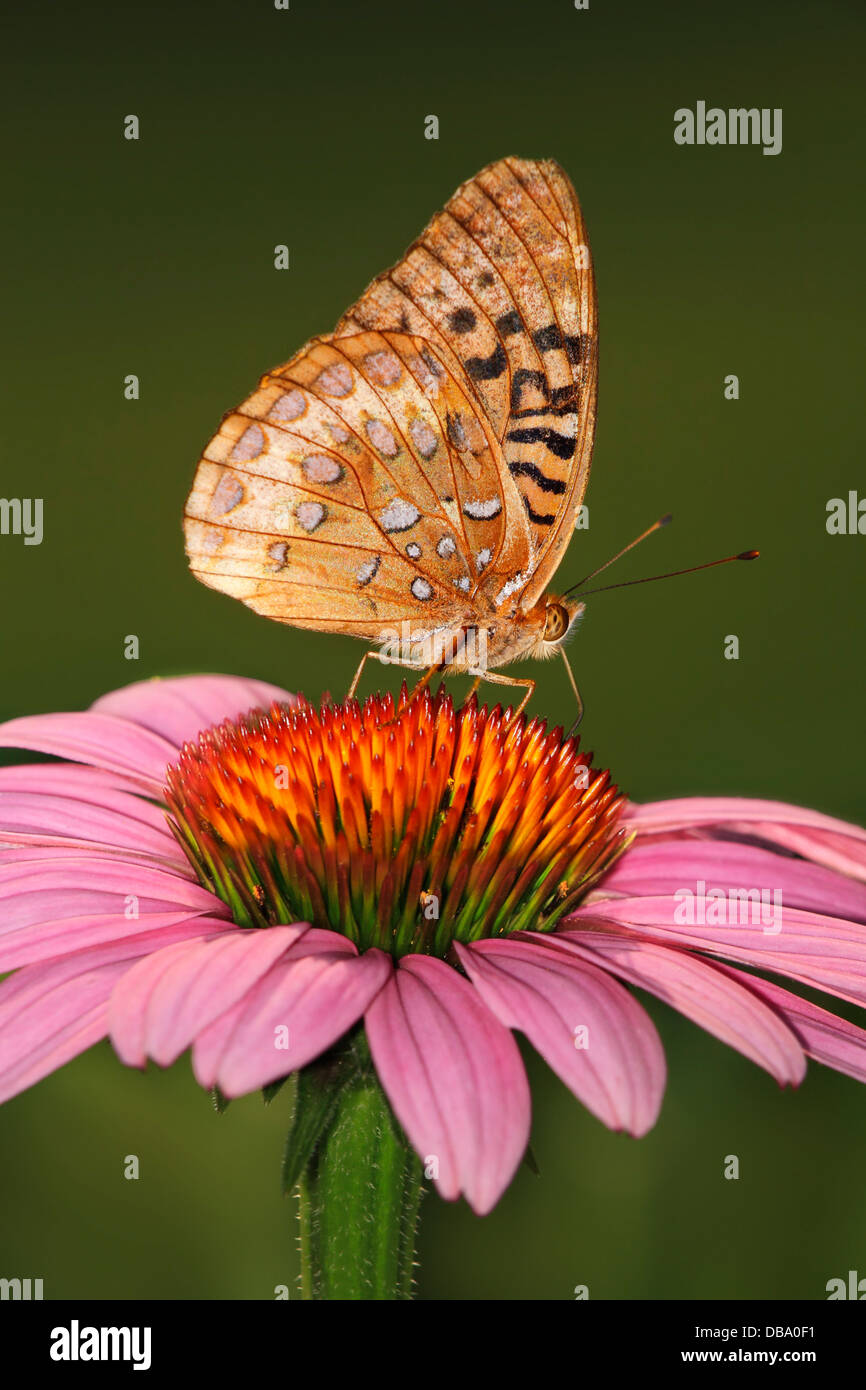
(404, 826)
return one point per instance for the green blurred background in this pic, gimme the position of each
(306, 127)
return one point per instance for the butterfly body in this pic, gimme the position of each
(420, 469)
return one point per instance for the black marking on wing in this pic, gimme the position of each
(578, 347)
(509, 324)
(462, 321)
(564, 400)
(531, 470)
(487, 368)
(568, 409)
(548, 338)
(565, 395)
(562, 445)
(523, 377)
(455, 430)
(433, 364)
(536, 516)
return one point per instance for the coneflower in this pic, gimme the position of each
(370, 899)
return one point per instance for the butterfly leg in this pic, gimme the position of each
(492, 679)
(425, 679)
(386, 661)
(389, 661)
(354, 686)
(574, 726)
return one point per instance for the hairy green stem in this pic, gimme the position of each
(359, 1193)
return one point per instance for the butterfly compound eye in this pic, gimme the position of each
(556, 622)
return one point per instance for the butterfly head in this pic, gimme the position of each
(538, 632)
(550, 623)
(560, 617)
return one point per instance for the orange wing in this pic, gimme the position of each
(359, 486)
(427, 460)
(501, 282)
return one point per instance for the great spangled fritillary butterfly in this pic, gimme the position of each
(420, 469)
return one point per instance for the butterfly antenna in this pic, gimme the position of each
(744, 555)
(656, 526)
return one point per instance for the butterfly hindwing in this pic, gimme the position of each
(359, 485)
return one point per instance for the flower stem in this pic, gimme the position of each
(359, 1195)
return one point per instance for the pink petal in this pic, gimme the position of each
(167, 999)
(88, 880)
(180, 708)
(101, 740)
(53, 909)
(28, 818)
(548, 994)
(843, 853)
(684, 812)
(318, 990)
(716, 999)
(454, 1077)
(51, 1012)
(650, 868)
(835, 843)
(70, 1019)
(40, 849)
(90, 784)
(830, 1040)
(825, 952)
(69, 936)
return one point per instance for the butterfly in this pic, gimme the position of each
(418, 472)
